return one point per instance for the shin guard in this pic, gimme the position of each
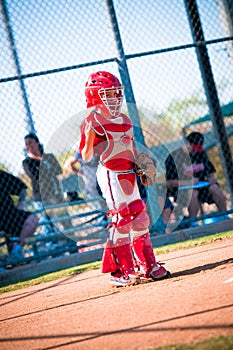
(143, 250)
(109, 263)
(124, 257)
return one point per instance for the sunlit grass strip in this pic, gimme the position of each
(217, 343)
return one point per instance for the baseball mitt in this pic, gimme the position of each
(145, 168)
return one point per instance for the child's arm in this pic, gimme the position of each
(88, 149)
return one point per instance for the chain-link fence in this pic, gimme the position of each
(175, 59)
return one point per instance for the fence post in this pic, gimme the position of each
(12, 43)
(153, 205)
(124, 73)
(211, 92)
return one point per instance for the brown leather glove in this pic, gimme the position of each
(145, 168)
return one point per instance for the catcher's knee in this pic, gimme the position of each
(140, 217)
(136, 207)
(124, 222)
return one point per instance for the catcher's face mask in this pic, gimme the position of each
(112, 99)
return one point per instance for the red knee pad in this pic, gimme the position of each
(124, 225)
(137, 206)
(140, 217)
(123, 209)
(140, 221)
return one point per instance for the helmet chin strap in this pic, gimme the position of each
(107, 115)
(106, 112)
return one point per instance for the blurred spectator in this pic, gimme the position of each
(73, 186)
(17, 223)
(190, 165)
(166, 207)
(87, 172)
(43, 170)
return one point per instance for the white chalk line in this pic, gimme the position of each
(229, 280)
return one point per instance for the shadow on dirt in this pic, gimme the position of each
(88, 336)
(199, 269)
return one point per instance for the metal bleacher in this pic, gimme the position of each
(86, 234)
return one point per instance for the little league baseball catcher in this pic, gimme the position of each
(108, 133)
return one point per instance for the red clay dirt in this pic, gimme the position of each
(84, 312)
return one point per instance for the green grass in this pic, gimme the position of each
(218, 343)
(6, 287)
(53, 276)
(197, 242)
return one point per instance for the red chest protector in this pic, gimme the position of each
(116, 139)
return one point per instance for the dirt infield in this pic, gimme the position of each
(84, 312)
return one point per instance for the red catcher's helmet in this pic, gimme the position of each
(104, 90)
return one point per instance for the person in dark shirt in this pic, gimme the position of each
(190, 165)
(14, 220)
(43, 170)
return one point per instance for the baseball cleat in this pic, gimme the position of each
(122, 281)
(159, 272)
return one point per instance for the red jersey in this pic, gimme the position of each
(114, 141)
